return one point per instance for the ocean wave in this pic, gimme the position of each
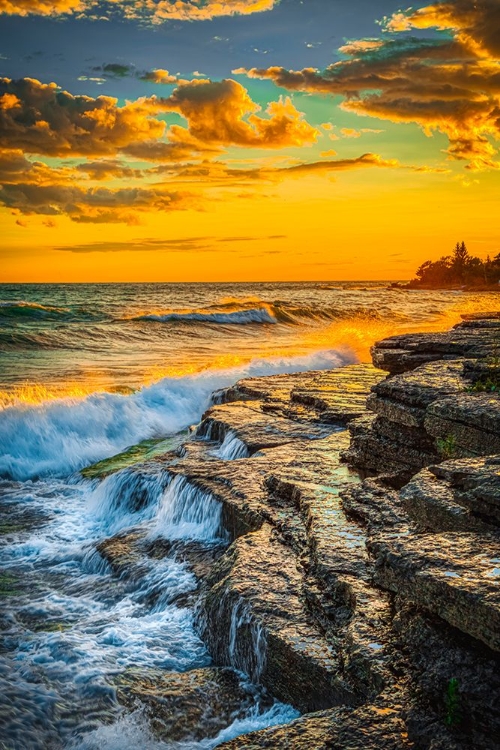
(234, 317)
(244, 312)
(26, 311)
(30, 310)
(62, 436)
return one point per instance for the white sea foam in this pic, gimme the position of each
(59, 437)
(132, 731)
(236, 317)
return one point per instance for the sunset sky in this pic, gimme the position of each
(218, 140)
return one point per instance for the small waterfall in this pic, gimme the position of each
(247, 642)
(232, 448)
(233, 636)
(187, 512)
(127, 498)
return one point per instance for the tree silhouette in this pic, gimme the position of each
(458, 270)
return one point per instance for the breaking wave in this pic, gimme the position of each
(242, 312)
(235, 317)
(62, 436)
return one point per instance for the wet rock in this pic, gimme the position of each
(452, 575)
(189, 706)
(475, 338)
(404, 399)
(253, 618)
(134, 455)
(122, 552)
(128, 553)
(335, 396)
(377, 726)
(255, 428)
(461, 495)
(454, 687)
(423, 416)
(375, 505)
(470, 421)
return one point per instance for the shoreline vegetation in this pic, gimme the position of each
(458, 271)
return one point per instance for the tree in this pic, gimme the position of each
(460, 261)
(458, 269)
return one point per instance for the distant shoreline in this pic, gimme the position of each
(446, 288)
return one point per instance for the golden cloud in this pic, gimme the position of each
(41, 119)
(156, 11)
(222, 113)
(450, 85)
(41, 7)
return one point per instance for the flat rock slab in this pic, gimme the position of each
(188, 706)
(453, 575)
(254, 427)
(405, 397)
(460, 495)
(471, 339)
(340, 395)
(333, 396)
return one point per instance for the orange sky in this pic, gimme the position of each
(269, 173)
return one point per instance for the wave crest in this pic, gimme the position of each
(62, 436)
(234, 317)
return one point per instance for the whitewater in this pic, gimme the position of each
(86, 372)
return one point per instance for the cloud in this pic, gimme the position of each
(91, 205)
(185, 244)
(158, 75)
(41, 119)
(196, 10)
(339, 165)
(155, 12)
(181, 244)
(449, 83)
(108, 169)
(353, 133)
(114, 70)
(222, 112)
(41, 7)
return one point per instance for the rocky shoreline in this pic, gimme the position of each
(357, 567)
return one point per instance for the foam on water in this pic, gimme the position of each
(60, 437)
(73, 625)
(132, 731)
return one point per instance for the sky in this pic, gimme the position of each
(245, 140)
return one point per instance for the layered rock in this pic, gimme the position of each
(372, 727)
(422, 416)
(461, 495)
(335, 396)
(369, 604)
(474, 338)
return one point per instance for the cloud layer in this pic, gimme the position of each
(448, 83)
(157, 11)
